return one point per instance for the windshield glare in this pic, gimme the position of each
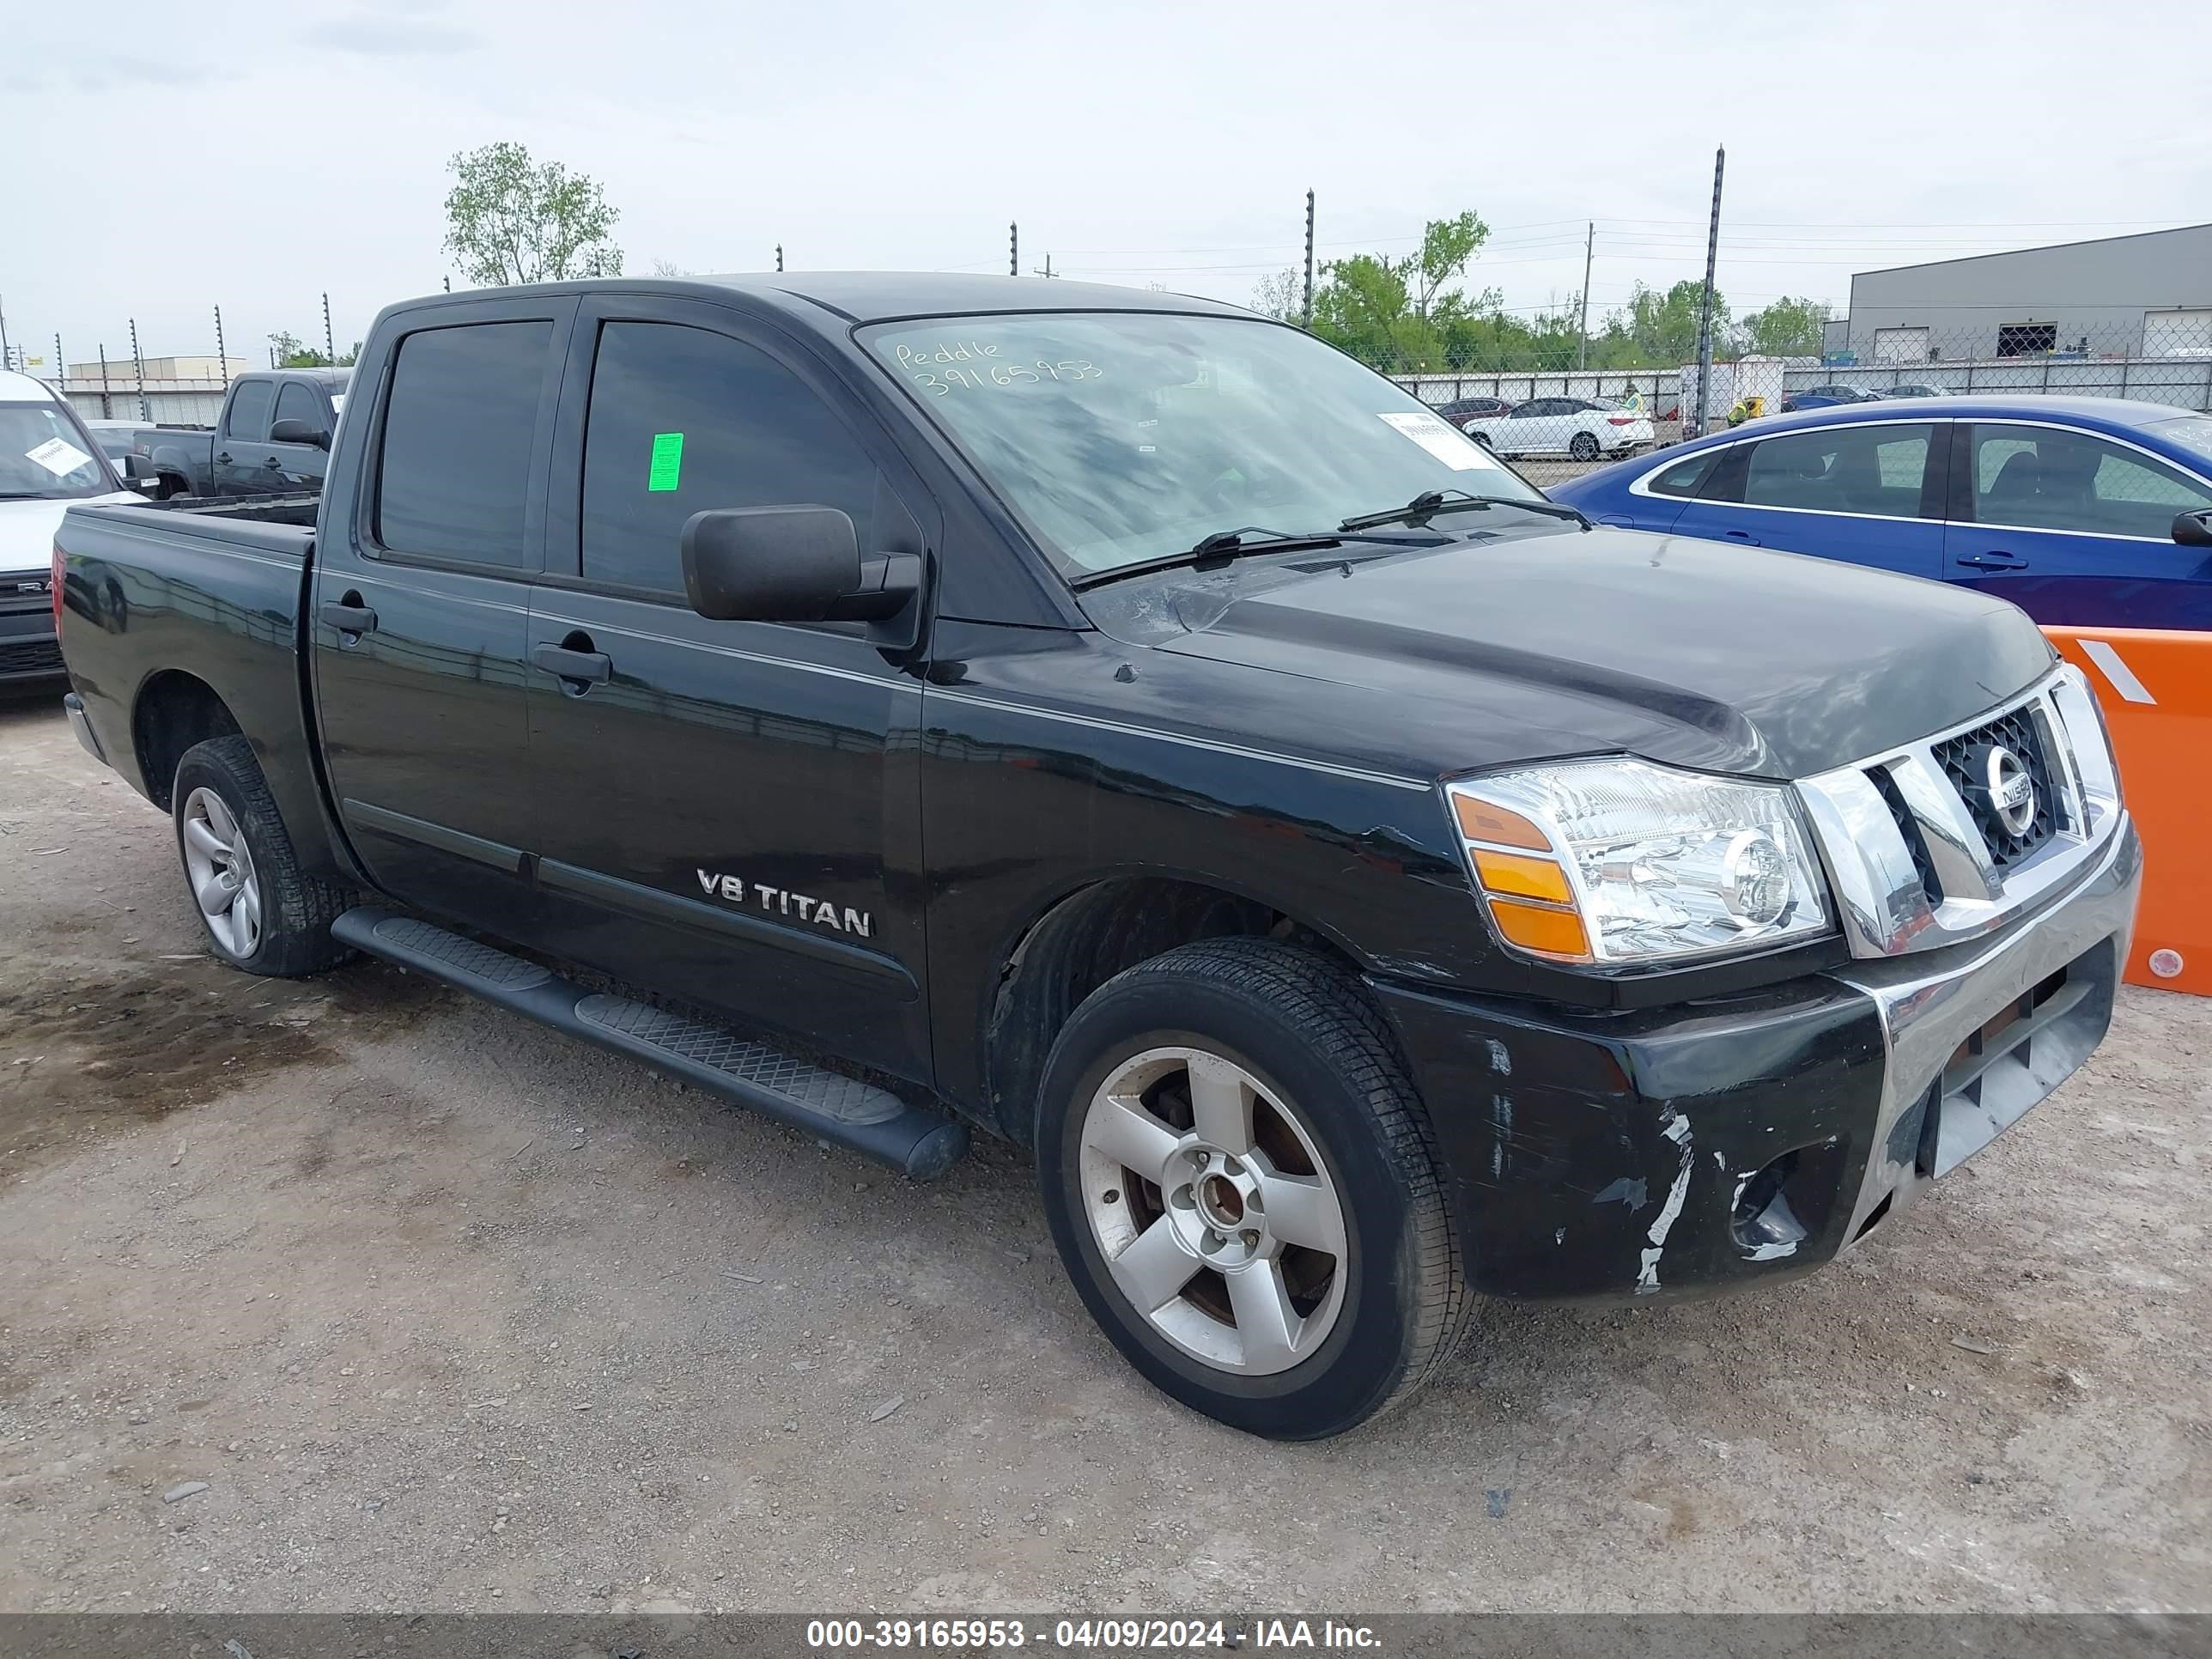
(1124, 436)
(2192, 432)
(43, 456)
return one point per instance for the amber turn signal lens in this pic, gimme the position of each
(1553, 933)
(1524, 877)
(1480, 821)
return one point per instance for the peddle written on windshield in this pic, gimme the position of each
(940, 368)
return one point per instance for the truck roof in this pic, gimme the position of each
(22, 389)
(867, 296)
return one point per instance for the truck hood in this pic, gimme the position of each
(1690, 653)
(27, 530)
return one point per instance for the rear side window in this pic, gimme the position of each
(296, 401)
(1842, 469)
(1684, 477)
(249, 412)
(682, 421)
(459, 430)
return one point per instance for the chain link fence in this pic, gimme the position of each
(1555, 420)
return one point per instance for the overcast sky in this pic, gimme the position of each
(166, 158)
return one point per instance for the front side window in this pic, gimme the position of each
(295, 401)
(1124, 436)
(1841, 469)
(248, 420)
(460, 431)
(2044, 478)
(683, 421)
(45, 456)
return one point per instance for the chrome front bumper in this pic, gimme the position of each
(1951, 1085)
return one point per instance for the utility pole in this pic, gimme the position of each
(329, 346)
(6, 361)
(779, 256)
(221, 357)
(61, 367)
(106, 411)
(1705, 310)
(1048, 271)
(1013, 249)
(1582, 328)
(448, 280)
(145, 408)
(1305, 313)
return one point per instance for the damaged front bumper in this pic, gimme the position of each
(1689, 1148)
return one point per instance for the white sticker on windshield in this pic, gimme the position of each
(1453, 447)
(58, 456)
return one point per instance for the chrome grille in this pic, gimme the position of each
(2018, 732)
(1917, 854)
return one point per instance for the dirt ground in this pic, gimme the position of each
(447, 1312)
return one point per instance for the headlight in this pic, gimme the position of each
(1619, 861)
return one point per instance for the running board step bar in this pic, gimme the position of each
(871, 1122)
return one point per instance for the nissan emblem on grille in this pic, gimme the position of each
(2007, 789)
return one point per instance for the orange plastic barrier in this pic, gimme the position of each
(2155, 688)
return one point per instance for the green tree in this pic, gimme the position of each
(1281, 297)
(1662, 329)
(291, 353)
(510, 220)
(1788, 328)
(1448, 247)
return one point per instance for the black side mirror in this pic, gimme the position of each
(791, 564)
(2194, 529)
(299, 431)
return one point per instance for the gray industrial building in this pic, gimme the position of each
(2118, 297)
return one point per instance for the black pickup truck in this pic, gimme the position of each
(1128, 726)
(272, 438)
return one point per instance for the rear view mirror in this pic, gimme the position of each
(790, 564)
(2194, 529)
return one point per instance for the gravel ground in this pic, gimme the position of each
(447, 1312)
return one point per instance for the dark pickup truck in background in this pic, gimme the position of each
(273, 437)
(1129, 726)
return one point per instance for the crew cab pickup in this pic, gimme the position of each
(910, 705)
(273, 437)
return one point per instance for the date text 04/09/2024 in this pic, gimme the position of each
(1091, 1635)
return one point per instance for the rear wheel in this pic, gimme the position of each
(1244, 1186)
(1584, 446)
(260, 913)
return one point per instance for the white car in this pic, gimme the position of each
(47, 461)
(1583, 428)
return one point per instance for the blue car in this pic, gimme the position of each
(2091, 512)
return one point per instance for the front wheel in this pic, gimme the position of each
(1584, 446)
(1244, 1187)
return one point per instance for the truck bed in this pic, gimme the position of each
(212, 591)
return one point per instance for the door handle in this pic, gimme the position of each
(348, 617)
(224, 457)
(577, 671)
(272, 461)
(1745, 537)
(1995, 561)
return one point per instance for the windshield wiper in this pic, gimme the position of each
(1429, 502)
(1219, 547)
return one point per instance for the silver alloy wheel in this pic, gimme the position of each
(1214, 1209)
(221, 871)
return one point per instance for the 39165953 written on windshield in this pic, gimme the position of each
(1124, 436)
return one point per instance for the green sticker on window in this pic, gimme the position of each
(668, 461)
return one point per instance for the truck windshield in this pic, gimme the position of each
(1124, 436)
(45, 456)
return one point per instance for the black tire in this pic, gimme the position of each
(1300, 1024)
(295, 911)
(1584, 446)
(1480, 437)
